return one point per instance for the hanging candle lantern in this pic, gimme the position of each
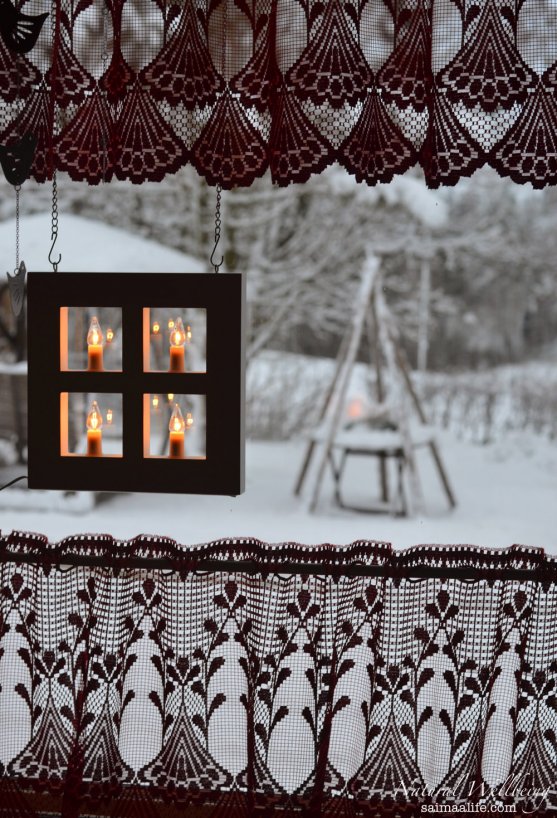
(95, 346)
(216, 464)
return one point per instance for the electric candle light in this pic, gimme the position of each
(108, 417)
(177, 427)
(109, 336)
(94, 431)
(170, 397)
(95, 346)
(155, 401)
(177, 352)
(156, 328)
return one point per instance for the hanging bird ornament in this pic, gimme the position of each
(19, 31)
(16, 285)
(16, 159)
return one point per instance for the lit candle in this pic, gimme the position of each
(94, 431)
(177, 353)
(155, 402)
(95, 346)
(156, 333)
(108, 417)
(177, 427)
(109, 336)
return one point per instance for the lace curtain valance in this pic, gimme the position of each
(129, 691)
(135, 89)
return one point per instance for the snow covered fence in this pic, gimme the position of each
(285, 392)
(485, 406)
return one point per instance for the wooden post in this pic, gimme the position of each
(436, 454)
(334, 412)
(415, 501)
(310, 448)
(423, 317)
(373, 334)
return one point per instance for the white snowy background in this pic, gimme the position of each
(487, 346)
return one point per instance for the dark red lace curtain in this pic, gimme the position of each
(129, 691)
(135, 89)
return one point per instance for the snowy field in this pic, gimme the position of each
(506, 494)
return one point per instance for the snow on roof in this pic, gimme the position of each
(88, 246)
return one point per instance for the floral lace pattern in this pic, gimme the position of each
(136, 89)
(141, 691)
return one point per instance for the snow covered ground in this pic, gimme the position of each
(506, 494)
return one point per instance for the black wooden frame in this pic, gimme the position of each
(222, 296)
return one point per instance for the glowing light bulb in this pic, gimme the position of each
(177, 423)
(170, 397)
(189, 420)
(94, 418)
(108, 417)
(109, 336)
(156, 328)
(95, 334)
(170, 324)
(188, 334)
(356, 408)
(155, 401)
(178, 334)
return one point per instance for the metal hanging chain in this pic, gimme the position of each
(218, 221)
(54, 223)
(17, 192)
(54, 227)
(217, 264)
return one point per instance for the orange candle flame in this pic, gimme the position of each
(178, 334)
(177, 422)
(95, 334)
(94, 418)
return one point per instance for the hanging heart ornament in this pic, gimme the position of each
(16, 286)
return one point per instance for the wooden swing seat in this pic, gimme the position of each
(385, 445)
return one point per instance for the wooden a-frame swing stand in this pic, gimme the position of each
(331, 445)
